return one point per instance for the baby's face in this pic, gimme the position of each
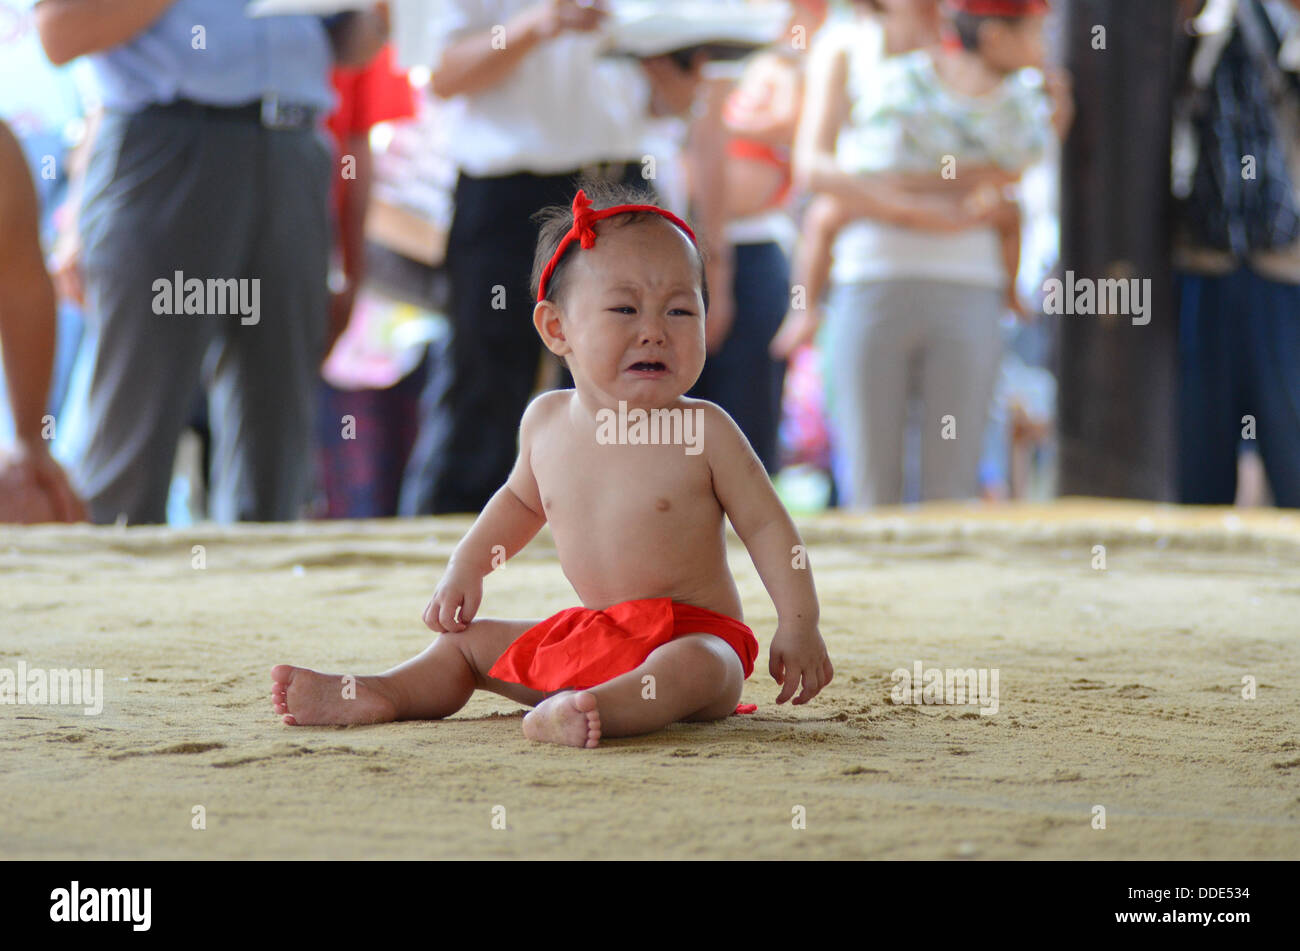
(1008, 47)
(630, 323)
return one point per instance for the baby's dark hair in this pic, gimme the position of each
(556, 220)
(967, 27)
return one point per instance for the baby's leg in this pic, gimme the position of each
(694, 677)
(434, 684)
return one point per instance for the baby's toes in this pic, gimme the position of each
(593, 728)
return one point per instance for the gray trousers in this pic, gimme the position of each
(888, 340)
(215, 199)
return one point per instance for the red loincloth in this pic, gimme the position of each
(580, 648)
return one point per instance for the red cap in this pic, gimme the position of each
(998, 8)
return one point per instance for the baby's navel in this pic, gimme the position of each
(663, 505)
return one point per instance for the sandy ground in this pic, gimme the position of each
(1119, 688)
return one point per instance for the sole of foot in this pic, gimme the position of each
(569, 719)
(309, 698)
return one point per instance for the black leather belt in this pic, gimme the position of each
(605, 171)
(271, 113)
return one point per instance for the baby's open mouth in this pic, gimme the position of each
(648, 366)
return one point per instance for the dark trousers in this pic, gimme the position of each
(1239, 349)
(742, 378)
(479, 384)
(216, 199)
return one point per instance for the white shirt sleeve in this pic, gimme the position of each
(452, 18)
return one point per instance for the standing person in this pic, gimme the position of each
(1237, 250)
(33, 488)
(367, 95)
(759, 118)
(919, 280)
(208, 174)
(361, 471)
(532, 109)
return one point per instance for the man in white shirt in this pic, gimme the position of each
(533, 107)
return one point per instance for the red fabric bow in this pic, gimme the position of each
(584, 220)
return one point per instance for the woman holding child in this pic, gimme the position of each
(909, 145)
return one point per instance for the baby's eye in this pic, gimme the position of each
(624, 310)
(682, 310)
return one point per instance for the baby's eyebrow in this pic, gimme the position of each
(637, 288)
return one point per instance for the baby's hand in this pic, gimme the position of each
(461, 589)
(799, 654)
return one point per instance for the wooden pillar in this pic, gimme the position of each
(1118, 377)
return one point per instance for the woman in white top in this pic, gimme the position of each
(917, 282)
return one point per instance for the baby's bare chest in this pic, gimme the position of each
(623, 488)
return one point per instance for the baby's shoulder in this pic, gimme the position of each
(544, 409)
(705, 409)
(714, 420)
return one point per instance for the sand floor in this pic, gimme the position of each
(1119, 688)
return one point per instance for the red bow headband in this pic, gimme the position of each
(584, 231)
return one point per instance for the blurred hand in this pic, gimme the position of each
(34, 488)
(341, 306)
(1014, 304)
(65, 268)
(1060, 89)
(799, 329)
(559, 16)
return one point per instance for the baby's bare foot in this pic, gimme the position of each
(567, 718)
(308, 698)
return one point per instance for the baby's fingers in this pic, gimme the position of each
(447, 612)
(470, 607)
(776, 667)
(791, 683)
(812, 685)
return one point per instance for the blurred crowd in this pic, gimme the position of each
(186, 194)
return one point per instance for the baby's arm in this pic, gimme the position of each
(507, 523)
(742, 487)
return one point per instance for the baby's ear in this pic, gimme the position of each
(546, 318)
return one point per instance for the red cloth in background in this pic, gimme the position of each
(581, 648)
(369, 95)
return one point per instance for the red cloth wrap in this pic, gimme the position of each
(581, 648)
